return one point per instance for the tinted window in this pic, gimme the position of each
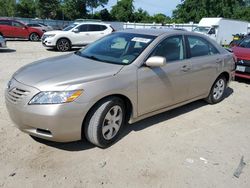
(16, 24)
(200, 47)
(245, 43)
(83, 28)
(4, 22)
(171, 48)
(34, 25)
(93, 27)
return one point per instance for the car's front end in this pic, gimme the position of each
(49, 99)
(242, 53)
(57, 122)
(49, 39)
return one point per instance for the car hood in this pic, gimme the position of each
(241, 53)
(64, 71)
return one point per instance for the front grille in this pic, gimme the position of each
(243, 62)
(15, 95)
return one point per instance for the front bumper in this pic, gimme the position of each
(48, 41)
(243, 68)
(60, 122)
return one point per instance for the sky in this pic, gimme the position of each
(151, 6)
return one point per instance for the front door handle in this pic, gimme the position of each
(185, 68)
(218, 61)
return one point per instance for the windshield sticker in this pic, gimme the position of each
(143, 40)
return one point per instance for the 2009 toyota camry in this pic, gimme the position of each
(125, 76)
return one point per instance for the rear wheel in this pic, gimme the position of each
(63, 45)
(34, 37)
(217, 91)
(105, 122)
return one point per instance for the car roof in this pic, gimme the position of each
(153, 32)
(96, 23)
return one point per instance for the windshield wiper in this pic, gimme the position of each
(91, 57)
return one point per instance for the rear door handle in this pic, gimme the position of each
(218, 61)
(185, 68)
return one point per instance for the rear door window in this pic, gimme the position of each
(200, 47)
(95, 27)
(5, 22)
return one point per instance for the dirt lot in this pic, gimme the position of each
(197, 145)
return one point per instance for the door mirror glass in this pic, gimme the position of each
(156, 61)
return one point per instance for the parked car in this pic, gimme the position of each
(16, 29)
(2, 42)
(77, 34)
(126, 76)
(242, 53)
(40, 26)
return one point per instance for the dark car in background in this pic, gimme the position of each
(242, 52)
(15, 29)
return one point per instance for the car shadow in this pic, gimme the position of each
(7, 50)
(55, 50)
(138, 126)
(242, 80)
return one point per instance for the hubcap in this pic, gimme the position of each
(63, 45)
(112, 122)
(219, 89)
(34, 37)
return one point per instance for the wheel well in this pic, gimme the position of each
(127, 103)
(226, 75)
(64, 38)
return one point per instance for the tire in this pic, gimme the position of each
(63, 45)
(34, 37)
(217, 91)
(105, 122)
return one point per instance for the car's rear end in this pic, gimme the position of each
(242, 62)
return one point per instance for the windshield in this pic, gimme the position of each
(117, 48)
(245, 43)
(69, 27)
(201, 29)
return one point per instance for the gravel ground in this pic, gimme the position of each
(197, 145)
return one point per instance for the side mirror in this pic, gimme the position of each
(156, 61)
(211, 31)
(76, 30)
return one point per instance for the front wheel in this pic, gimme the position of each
(63, 45)
(105, 122)
(34, 37)
(217, 92)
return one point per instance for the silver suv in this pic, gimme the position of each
(125, 76)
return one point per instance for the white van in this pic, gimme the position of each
(221, 29)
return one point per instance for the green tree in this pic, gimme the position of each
(194, 10)
(123, 11)
(7, 8)
(161, 18)
(47, 8)
(26, 8)
(141, 16)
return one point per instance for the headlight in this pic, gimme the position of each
(48, 36)
(55, 97)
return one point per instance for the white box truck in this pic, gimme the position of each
(221, 29)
